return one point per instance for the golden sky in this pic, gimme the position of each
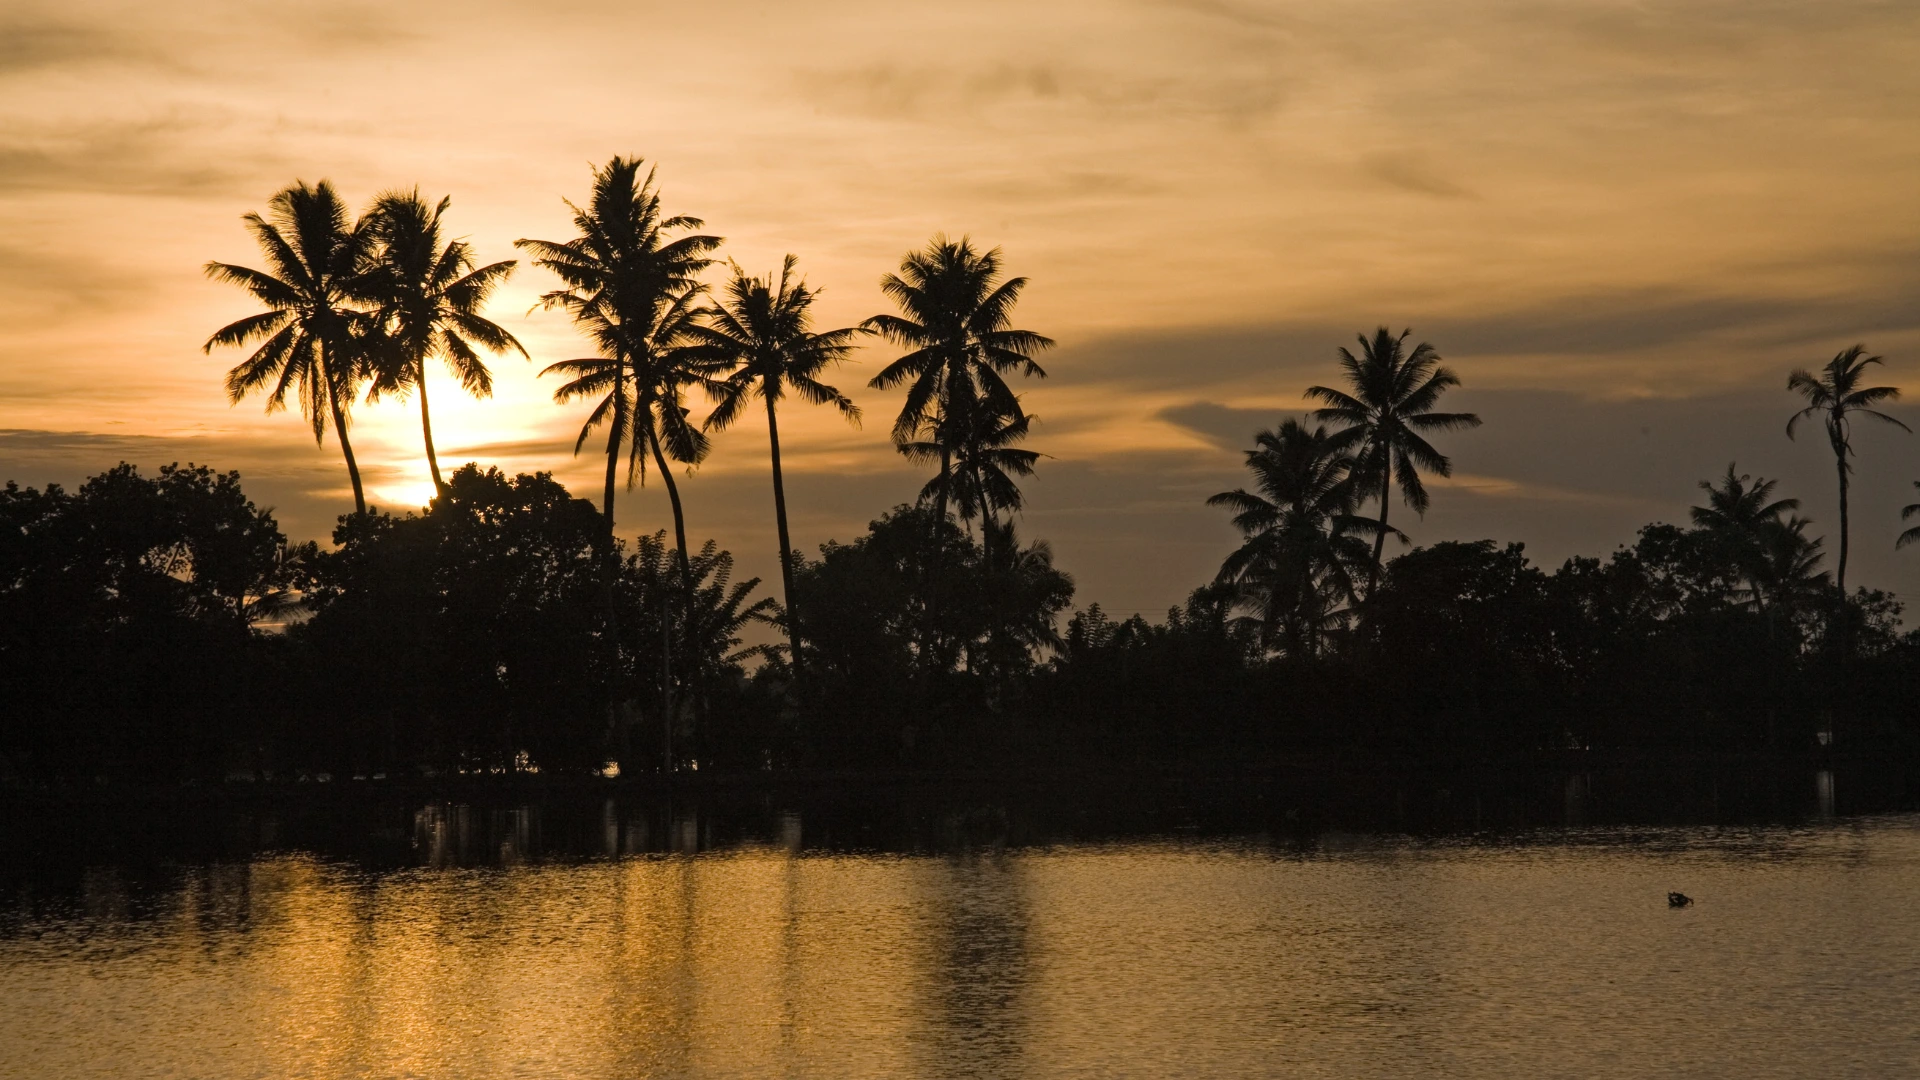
(1622, 223)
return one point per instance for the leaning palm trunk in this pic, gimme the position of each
(673, 497)
(340, 428)
(426, 429)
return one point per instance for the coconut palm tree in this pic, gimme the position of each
(1908, 513)
(955, 316)
(764, 329)
(622, 273)
(1743, 513)
(430, 297)
(666, 359)
(1303, 539)
(313, 335)
(977, 443)
(1386, 419)
(1837, 394)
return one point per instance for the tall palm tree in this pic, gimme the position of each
(622, 273)
(1387, 416)
(955, 318)
(312, 335)
(1742, 511)
(764, 328)
(977, 442)
(1836, 392)
(1303, 539)
(430, 296)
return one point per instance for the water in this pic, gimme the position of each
(1540, 953)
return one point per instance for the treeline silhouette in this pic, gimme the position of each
(151, 632)
(162, 627)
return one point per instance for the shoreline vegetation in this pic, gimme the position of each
(161, 630)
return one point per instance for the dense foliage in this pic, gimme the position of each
(148, 633)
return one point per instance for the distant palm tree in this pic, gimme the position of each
(1789, 573)
(622, 274)
(1836, 392)
(955, 316)
(430, 298)
(765, 328)
(1386, 417)
(1908, 513)
(1303, 539)
(312, 336)
(1744, 514)
(977, 443)
(666, 359)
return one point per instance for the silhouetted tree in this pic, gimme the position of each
(766, 329)
(622, 275)
(430, 296)
(1386, 419)
(1837, 395)
(975, 444)
(1743, 514)
(955, 318)
(1303, 539)
(312, 337)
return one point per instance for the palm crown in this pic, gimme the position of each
(1836, 395)
(1302, 536)
(955, 318)
(631, 288)
(430, 297)
(1387, 416)
(312, 340)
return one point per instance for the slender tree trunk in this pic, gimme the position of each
(780, 520)
(1380, 540)
(946, 481)
(340, 429)
(616, 428)
(673, 496)
(426, 428)
(1841, 578)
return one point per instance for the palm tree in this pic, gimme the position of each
(1788, 569)
(622, 273)
(666, 359)
(312, 337)
(1742, 511)
(1908, 513)
(1837, 393)
(1387, 415)
(1302, 535)
(955, 316)
(976, 441)
(430, 297)
(765, 329)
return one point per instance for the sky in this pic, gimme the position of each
(1621, 223)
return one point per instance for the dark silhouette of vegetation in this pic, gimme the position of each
(955, 320)
(1386, 419)
(163, 627)
(1836, 396)
(430, 295)
(765, 328)
(312, 339)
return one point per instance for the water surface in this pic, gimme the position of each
(1547, 953)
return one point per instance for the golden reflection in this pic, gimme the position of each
(1149, 959)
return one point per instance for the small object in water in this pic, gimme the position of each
(1678, 899)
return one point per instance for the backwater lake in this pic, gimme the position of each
(590, 936)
